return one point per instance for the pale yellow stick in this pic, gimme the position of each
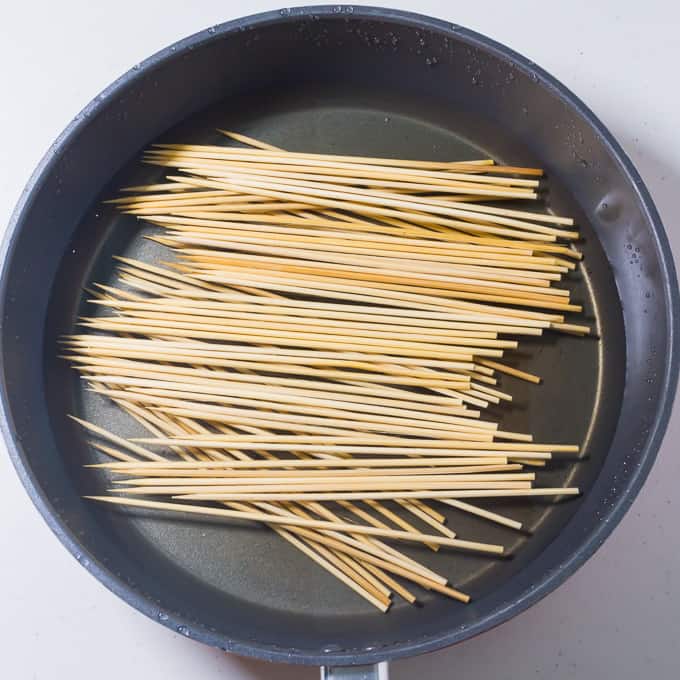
(417, 263)
(368, 544)
(114, 453)
(324, 561)
(124, 443)
(298, 307)
(300, 522)
(162, 186)
(337, 482)
(426, 517)
(134, 466)
(300, 339)
(397, 520)
(381, 495)
(278, 442)
(230, 476)
(321, 287)
(450, 170)
(401, 557)
(287, 365)
(490, 213)
(363, 201)
(421, 239)
(502, 368)
(433, 285)
(438, 215)
(343, 329)
(349, 158)
(329, 557)
(290, 413)
(461, 310)
(457, 189)
(356, 567)
(313, 317)
(406, 572)
(389, 248)
(480, 512)
(250, 141)
(174, 199)
(394, 270)
(356, 392)
(95, 360)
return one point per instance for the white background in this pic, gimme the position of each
(619, 616)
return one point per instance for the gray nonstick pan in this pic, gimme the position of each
(358, 81)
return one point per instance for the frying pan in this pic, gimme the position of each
(361, 81)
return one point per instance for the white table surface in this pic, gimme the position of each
(618, 617)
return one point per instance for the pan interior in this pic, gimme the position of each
(247, 571)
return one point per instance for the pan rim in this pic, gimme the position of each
(396, 649)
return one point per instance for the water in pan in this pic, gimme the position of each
(252, 564)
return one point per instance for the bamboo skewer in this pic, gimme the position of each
(378, 495)
(304, 522)
(345, 559)
(357, 163)
(332, 331)
(250, 467)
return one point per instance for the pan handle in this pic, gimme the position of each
(377, 672)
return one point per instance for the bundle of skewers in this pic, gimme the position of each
(319, 353)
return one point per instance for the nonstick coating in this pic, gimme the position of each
(370, 82)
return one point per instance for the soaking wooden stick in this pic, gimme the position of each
(303, 522)
(379, 495)
(328, 334)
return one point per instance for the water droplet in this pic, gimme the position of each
(162, 616)
(172, 48)
(136, 67)
(337, 9)
(629, 246)
(609, 209)
(349, 9)
(583, 163)
(211, 29)
(637, 250)
(387, 119)
(525, 110)
(332, 648)
(183, 630)
(648, 295)
(284, 12)
(511, 77)
(422, 42)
